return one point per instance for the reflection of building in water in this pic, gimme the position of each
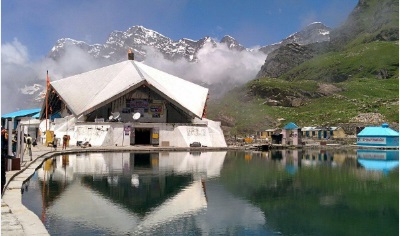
(294, 159)
(318, 155)
(309, 157)
(188, 203)
(206, 164)
(102, 171)
(378, 160)
(56, 169)
(172, 186)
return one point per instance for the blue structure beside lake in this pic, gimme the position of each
(378, 137)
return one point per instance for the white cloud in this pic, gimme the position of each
(215, 65)
(19, 74)
(14, 52)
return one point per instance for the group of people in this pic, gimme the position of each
(29, 143)
(64, 144)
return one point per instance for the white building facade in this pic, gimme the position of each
(130, 103)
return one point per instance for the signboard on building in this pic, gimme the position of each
(155, 137)
(127, 130)
(371, 140)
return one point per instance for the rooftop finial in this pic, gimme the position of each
(131, 56)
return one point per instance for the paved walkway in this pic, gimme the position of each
(16, 219)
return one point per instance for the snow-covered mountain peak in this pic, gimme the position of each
(139, 39)
(232, 43)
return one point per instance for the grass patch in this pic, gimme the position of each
(250, 113)
(368, 60)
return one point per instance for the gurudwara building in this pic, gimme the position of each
(130, 103)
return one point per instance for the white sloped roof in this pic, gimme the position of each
(88, 91)
(309, 129)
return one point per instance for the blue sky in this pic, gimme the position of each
(37, 24)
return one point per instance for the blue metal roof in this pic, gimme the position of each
(382, 131)
(291, 125)
(22, 113)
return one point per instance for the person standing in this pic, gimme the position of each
(14, 144)
(29, 145)
(4, 148)
(55, 142)
(4, 140)
(65, 140)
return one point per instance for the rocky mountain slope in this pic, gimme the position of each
(288, 56)
(313, 33)
(370, 21)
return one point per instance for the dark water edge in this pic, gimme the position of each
(280, 192)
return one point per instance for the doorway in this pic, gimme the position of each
(142, 135)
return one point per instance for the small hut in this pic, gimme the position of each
(382, 137)
(291, 134)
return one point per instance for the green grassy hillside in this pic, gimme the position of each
(367, 76)
(378, 59)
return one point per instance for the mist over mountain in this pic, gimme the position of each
(218, 65)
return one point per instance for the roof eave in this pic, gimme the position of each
(169, 99)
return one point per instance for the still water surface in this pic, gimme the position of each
(284, 192)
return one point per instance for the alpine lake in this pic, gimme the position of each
(235, 192)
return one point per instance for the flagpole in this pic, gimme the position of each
(47, 96)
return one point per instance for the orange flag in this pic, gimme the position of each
(47, 81)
